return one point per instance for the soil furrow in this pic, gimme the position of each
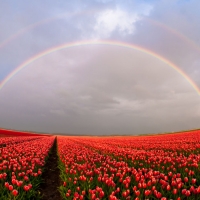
(51, 177)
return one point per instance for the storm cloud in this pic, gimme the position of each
(98, 88)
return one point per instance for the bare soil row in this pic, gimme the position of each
(51, 177)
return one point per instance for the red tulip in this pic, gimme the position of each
(15, 192)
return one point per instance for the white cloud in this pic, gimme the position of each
(119, 20)
(110, 20)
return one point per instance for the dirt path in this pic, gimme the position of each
(49, 189)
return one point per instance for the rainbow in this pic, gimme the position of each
(38, 24)
(62, 16)
(99, 42)
(179, 35)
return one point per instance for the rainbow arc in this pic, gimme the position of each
(101, 42)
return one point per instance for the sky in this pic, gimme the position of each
(100, 67)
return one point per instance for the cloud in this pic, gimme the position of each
(100, 89)
(110, 20)
(58, 112)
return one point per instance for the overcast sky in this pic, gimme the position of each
(100, 89)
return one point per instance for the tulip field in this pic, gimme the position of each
(165, 166)
(142, 167)
(21, 162)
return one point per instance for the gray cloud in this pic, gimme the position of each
(100, 89)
